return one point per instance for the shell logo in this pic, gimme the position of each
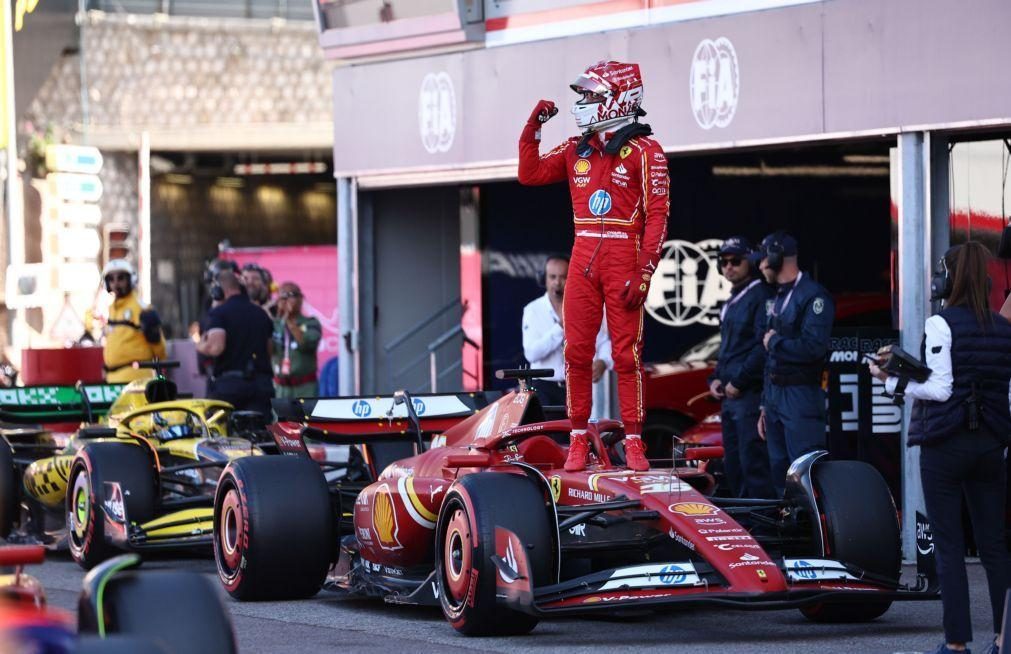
(384, 519)
(582, 166)
(692, 509)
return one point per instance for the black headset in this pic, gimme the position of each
(214, 269)
(774, 252)
(542, 274)
(941, 280)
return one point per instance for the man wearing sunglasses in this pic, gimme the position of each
(133, 331)
(296, 338)
(737, 379)
(619, 183)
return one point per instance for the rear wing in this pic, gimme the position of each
(42, 404)
(357, 416)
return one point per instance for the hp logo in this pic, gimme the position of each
(804, 570)
(361, 408)
(672, 574)
(600, 202)
(419, 406)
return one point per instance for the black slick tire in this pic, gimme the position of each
(10, 484)
(130, 465)
(489, 500)
(861, 528)
(274, 528)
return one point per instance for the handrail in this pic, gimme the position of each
(446, 336)
(388, 347)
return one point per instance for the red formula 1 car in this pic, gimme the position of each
(487, 524)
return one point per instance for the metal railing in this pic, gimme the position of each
(288, 9)
(430, 351)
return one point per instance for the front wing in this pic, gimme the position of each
(809, 581)
(191, 527)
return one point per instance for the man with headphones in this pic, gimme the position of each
(259, 286)
(133, 331)
(740, 367)
(792, 419)
(544, 337)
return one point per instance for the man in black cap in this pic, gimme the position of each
(740, 367)
(792, 421)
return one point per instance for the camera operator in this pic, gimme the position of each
(961, 420)
(237, 336)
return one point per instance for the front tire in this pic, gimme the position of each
(95, 464)
(861, 528)
(274, 528)
(474, 507)
(10, 484)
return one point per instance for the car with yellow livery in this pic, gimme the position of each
(143, 479)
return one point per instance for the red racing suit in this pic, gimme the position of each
(620, 204)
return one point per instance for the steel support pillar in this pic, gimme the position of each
(349, 366)
(914, 303)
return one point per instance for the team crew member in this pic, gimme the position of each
(544, 338)
(296, 338)
(133, 332)
(238, 338)
(792, 420)
(962, 422)
(740, 368)
(619, 184)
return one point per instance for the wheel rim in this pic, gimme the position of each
(230, 529)
(81, 510)
(457, 554)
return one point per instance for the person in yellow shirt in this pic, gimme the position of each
(133, 332)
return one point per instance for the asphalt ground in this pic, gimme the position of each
(332, 623)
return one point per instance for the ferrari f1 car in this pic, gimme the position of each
(115, 613)
(144, 480)
(487, 524)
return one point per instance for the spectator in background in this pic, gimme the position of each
(133, 332)
(544, 337)
(296, 339)
(259, 286)
(237, 337)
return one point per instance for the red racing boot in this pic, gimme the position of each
(579, 449)
(635, 454)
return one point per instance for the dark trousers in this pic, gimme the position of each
(244, 394)
(794, 426)
(550, 393)
(969, 465)
(745, 458)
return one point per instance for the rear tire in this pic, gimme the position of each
(861, 527)
(180, 611)
(489, 500)
(10, 484)
(95, 464)
(274, 528)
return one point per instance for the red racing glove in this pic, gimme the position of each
(542, 113)
(637, 287)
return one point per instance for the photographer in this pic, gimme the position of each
(238, 337)
(961, 420)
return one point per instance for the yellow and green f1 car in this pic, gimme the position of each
(143, 480)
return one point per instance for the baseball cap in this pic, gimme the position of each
(783, 239)
(736, 245)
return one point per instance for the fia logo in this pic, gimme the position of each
(437, 112)
(714, 83)
(600, 202)
(687, 286)
(361, 408)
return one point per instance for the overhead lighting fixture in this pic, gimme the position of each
(230, 182)
(865, 159)
(800, 171)
(285, 168)
(176, 178)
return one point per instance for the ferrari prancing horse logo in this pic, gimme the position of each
(556, 487)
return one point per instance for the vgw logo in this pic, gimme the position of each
(361, 408)
(687, 286)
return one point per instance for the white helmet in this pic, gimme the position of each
(118, 265)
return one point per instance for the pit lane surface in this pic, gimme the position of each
(328, 623)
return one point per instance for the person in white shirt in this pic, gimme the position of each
(961, 420)
(544, 338)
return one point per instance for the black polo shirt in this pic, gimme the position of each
(248, 330)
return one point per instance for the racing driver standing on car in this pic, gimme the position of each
(619, 183)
